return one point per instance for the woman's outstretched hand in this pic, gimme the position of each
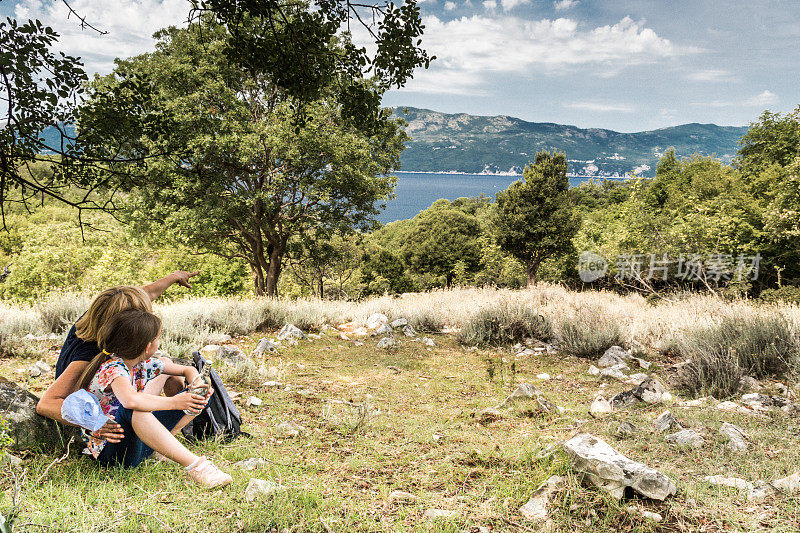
(182, 277)
(111, 431)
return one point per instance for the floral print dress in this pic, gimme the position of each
(100, 386)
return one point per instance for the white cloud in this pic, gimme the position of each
(130, 25)
(490, 5)
(601, 107)
(710, 75)
(449, 6)
(508, 5)
(562, 5)
(762, 100)
(472, 50)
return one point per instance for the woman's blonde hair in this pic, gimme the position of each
(107, 304)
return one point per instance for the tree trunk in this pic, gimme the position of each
(531, 269)
(258, 278)
(321, 287)
(274, 270)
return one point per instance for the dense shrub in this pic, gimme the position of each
(788, 294)
(761, 345)
(588, 332)
(505, 323)
(60, 311)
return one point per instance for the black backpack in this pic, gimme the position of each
(220, 418)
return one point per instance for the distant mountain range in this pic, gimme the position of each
(460, 142)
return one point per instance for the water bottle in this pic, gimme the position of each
(200, 384)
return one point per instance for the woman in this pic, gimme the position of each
(80, 347)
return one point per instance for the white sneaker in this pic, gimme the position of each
(205, 474)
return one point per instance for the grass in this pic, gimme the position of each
(426, 441)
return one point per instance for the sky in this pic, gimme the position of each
(623, 65)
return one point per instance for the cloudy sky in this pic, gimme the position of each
(624, 65)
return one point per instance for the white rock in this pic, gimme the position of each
(526, 352)
(438, 514)
(409, 331)
(209, 349)
(399, 497)
(375, 320)
(614, 372)
(30, 337)
(289, 429)
(625, 430)
(665, 422)
(272, 384)
(699, 402)
(687, 438)
(608, 469)
(344, 337)
(383, 329)
(251, 464)
(731, 482)
(34, 371)
(314, 336)
(265, 345)
(642, 363)
(733, 407)
(428, 341)
(748, 383)
(600, 407)
(253, 400)
(290, 331)
(261, 488)
(358, 343)
(655, 517)
(399, 323)
(614, 356)
(544, 376)
(386, 342)
(594, 371)
(737, 438)
(536, 507)
(637, 379)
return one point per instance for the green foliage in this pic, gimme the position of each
(773, 139)
(504, 324)
(788, 294)
(383, 271)
(535, 217)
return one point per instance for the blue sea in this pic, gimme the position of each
(416, 192)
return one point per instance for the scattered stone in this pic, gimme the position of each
(699, 402)
(399, 323)
(594, 371)
(28, 430)
(409, 331)
(757, 401)
(358, 343)
(289, 429)
(655, 517)
(29, 337)
(544, 376)
(666, 422)
(209, 349)
(375, 320)
(687, 438)
(736, 437)
(386, 342)
(526, 352)
(345, 337)
(649, 391)
(750, 384)
(399, 497)
(361, 332)
(261, 489)
(290, 331)
(731, 482)
(384, 329)
(253, 463)
(645, 365)
(265, 345)
(734, 407)
(637, 379)
(314, 336)
(760, 493)
(614, 372)
(230, 353)
(428, 341)
(600, 407)
(489, 415)
(254, 401)
(614, 356)
(536, 507)
(625, 430)
(788, 485)
(609, 470)
(438, 514)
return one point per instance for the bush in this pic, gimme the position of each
(759, 345)
(588, 332)
(505, 323)
(60, 311)
(789, 294)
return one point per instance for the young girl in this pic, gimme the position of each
(117, 377)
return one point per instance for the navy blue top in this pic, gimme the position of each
(75, 349)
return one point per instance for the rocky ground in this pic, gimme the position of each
(377, 427)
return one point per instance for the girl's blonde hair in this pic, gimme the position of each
(107, 304)
(126, 335)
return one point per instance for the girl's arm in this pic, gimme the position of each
(174, 369)
(141, 401)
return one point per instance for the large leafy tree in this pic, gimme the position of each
(227, 169)
(535, 217)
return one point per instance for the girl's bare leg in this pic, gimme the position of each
(157, 437)
(182, 423)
